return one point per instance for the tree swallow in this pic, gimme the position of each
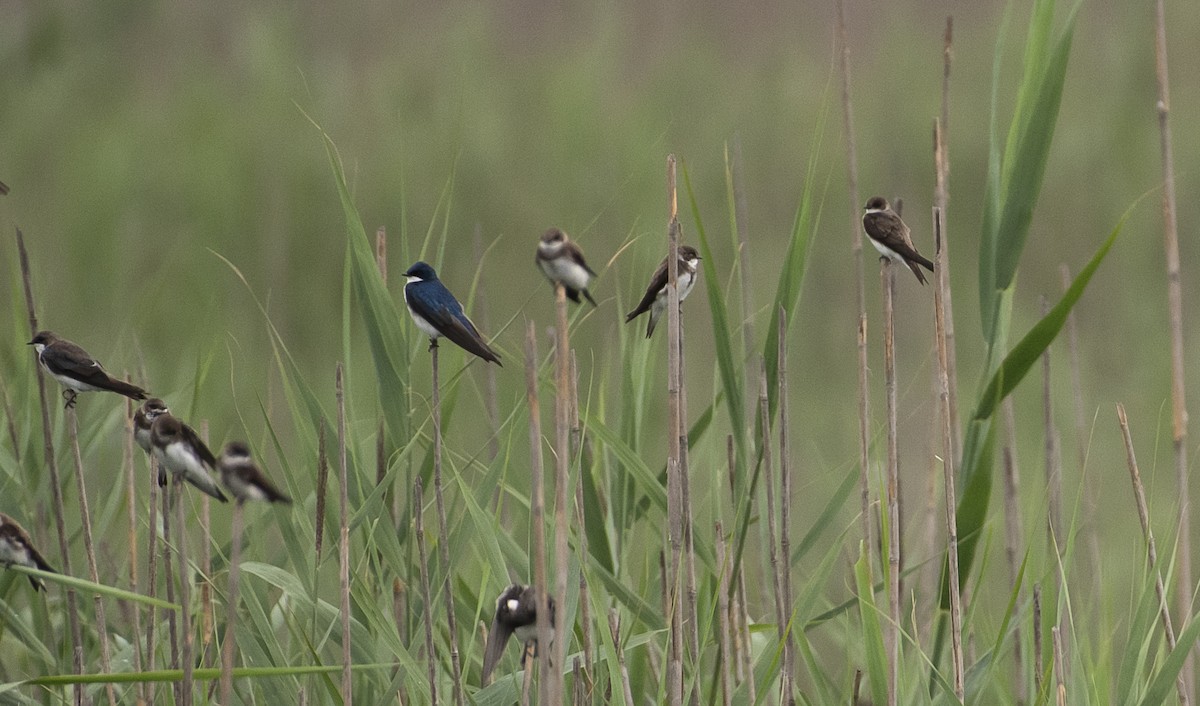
(79, 372)
(244, 478)
(562, 261)
(891, 237)
(655, 298)
(516, 612)
(179, 449)
(143, 418)
(437, 313)
(17, 548)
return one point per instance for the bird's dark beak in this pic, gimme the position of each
(29, 344)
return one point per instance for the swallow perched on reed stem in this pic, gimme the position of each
(437, 313)
(562, 262)
(244, 479)
(891, 237)
(181, 451)
(76, 370)
(655, 298)
(516, 614)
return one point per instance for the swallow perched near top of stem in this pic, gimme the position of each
(17, 548)
(516, 613)
(244, 478)
(562, 262)
(655, 298)
(76, 370)
(437, 313)
(891, 237)
(143, 418)
(181, 451)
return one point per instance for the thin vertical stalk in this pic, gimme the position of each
(614, 626)
(343, 536)
(939, 306)
(131, 508)
(426, 590)
(207, 621)
(168, 555)
(444, 533)
(228, 645)
(1037, 637)
(490, 400)
(1055, 535)
(888, 277)
(577, 450)
(1139, 496)
(1076, 386)
(864, 394)
(51, 464)
(1060, 675)
(537, 510)
(689, 622)
(185, 597)
(152, 575)
(741, 223)
(941, 198)
(768, 480)
(562, 473)
(85, 517)
(724, 622)
(674, 454)
(322, 489)
(1183, 565)
(785, 521)
(1012, 537)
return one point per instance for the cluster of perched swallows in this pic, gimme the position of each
(436, 313)
(176, 446)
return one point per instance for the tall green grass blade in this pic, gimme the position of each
(872, 632)
(1164, 681)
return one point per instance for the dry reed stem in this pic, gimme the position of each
(1139, 496)
(674, 455)
(724, 622)
(690, 622)
(743, 658)
(888, 277)
(785, 521)
(168, 576)
(537, 509)
(864, 392)
(322, 488)
(1037, 637)
(1055, 537)
(205, 569)
(1012, 537)
(741, 223)
(185, 594)
(562, 475)
(1059, 673)
(443, 532)
(51, 464)
(856, 689)
(768, 480)
(1183, 566)
(85, 518)
(941, 198)
(426, 591)
(152, 575)
(614, 626)
(948, 471)
(580, 516)
(231, 608)
(343, 535)
(131, 508)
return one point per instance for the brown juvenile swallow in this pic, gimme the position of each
(17, 548)
(244, 478)
(562, 261)
(181, 451)
(655, 298)
(143, 418)
(891, 237)
(77, 371)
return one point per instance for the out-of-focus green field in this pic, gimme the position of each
(146, 142)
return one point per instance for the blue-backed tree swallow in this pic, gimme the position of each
(562, 262)
(655, 298)
(143, 418)
(437, 313)
(891, 237)
(180, 450)
(516, 613)
(77, 371)
(244, 478)
(17, 548)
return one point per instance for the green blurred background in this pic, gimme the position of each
(139, 136)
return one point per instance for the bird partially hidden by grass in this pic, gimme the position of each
(16, 548)
(182, 452)
(143, 419)
(516, 613)
(76, 370)
(437, 313)
(242, 476)
(655, 298)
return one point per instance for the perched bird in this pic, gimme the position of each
(437, 313)
(655, 298)
(244, 478)
(516, 613)
(891, 237)
(79, 372)
(143, 418)
(179, 449)
(562, 261)
(17, 548)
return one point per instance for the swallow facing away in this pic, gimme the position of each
(891, 237)
(516, 613)
(562, 262)
(655, 298)
(143, 419)
(77, 371)
(437, 313)
(181, 451)
(17, 548)
(244, 478)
